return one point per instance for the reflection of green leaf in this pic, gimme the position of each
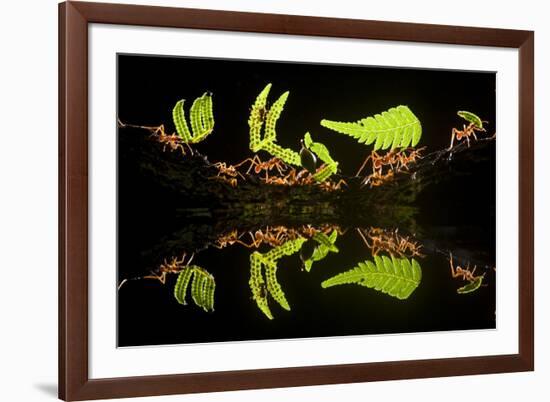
(180, 290)
(397, 277)
(202, 287)
(267, 262)
(396, 127)
(288, 248)
(274, 287)
(258, 285)
(325, 245)
(472, 286)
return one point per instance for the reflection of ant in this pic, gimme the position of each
(172, 267)
(273, 236)
(474, 282)
(391, 242)
(460, 272)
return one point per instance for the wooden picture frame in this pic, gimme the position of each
(74, 381)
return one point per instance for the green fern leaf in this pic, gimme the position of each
(195, 116)
(274, 287)
(396, 127)
(203, 287)
(206, 117)
(288, 248)
(272, 116)
(196, 288)
(178, 115)
(203, 296)
(260, 115)
(326, 245)
(327, 241)
(258, 285)
(201, 116)
(471, 118)
(268, 262)
(397, 277)
(182, 282)
(287, 155)
(256, 118)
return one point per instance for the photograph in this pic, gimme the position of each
(264, 200)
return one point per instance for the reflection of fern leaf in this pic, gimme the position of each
(274, 287)
(203, 292)
(326, 244)
(202, 287)
(209, 288)
(261, 288)
(258, 285)
(327, 241)
(397, 277)
(397, 127)
(288, 248)
(182, 282)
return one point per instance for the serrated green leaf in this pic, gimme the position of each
(394, 128)
(202, 287)
(178, 116)
(397, 277)
(180, 289)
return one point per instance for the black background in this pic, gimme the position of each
(149, 86)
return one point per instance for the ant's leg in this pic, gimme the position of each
(125, 279)
(453, 273)
(452, 138)
(189, 148)
(363, 165)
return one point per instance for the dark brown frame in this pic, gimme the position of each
(74, 382)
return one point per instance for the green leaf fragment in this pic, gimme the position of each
(471, 118)
(472, 286)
